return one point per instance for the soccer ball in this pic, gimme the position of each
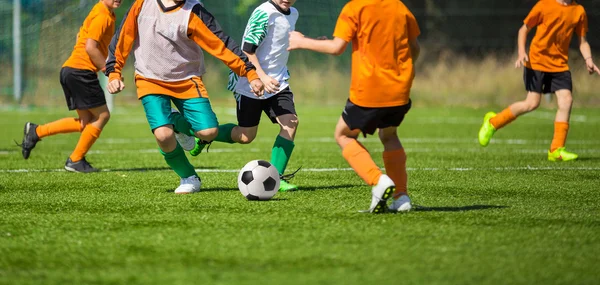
(258, 180)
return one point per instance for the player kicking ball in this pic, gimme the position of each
(265, 43)
(379, 91)
(167, 38)
(546, 69)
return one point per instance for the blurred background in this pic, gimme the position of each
(467, 60)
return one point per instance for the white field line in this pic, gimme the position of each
(409, 140)
(430, 169)
(314, 150)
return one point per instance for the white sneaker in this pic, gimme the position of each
(401, 204)
(381, 193)
(186, 142)
(189, 185)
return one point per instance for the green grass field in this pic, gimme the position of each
(495, 215)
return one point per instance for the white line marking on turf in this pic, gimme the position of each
(314, 150)
(137, 141)
(462, 169)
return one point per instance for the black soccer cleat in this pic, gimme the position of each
(30, 138)
(81, 166)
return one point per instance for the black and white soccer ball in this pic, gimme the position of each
(258, 180)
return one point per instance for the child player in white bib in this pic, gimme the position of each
(265, 43)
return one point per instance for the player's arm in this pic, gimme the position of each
(92, 47)
(96, 30)
(586, 52)
(208, 41)
(209, 20)
(120, 47)
(336, 46)
(271, 85)
(415, 49)
(255, 33)
(521, 41)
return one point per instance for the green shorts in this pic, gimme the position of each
(197, 111)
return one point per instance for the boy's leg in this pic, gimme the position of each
(203, 121)
(248, 114)
(158, 111)
(360, 160)
(535, 82)
(394, 157)
(557, 150)
(98, 118)
(282, 111)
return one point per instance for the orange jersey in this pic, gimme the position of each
(382, 64)
(201, 29)
(99, 25)
(549, 50)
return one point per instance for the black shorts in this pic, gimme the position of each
(249, 109)
(82, 89)
(547, 82)
(369, 119)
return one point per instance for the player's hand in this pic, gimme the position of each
(115, 86)
(258, 88)
(521, 60)
(271, 85)
(591, 67)
(295, 39)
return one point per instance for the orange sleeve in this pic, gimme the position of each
(535, 16)
(413, 26)
(98, 27)
(208, 41)
(582, 26)
(347, 24)
(122, 42)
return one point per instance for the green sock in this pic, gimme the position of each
(179, 162)
(225, 133)
(181, 124)
(281, 153)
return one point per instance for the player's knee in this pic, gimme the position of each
(163, 134)
(532, 105)
(208, 134)
(247, 138)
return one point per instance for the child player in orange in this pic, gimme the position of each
(167, 38)
(82, 89)
(546, 69)
(384, 46)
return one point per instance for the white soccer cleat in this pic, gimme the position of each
(381, 193)
(189, 185)
(186, 142)
(401, 204)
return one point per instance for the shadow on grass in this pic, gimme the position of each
(313, 188)
(457, 209)
(588, 158)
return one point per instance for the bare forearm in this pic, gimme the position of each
(254, 60)
(586, 50)
(97, 58)
(522, 39)
(322, 46)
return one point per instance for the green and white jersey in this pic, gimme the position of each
(267, 35)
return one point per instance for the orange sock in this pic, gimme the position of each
(395, 168)
(560, 135)
(86, 140)
(360, 160)
(502, 119)
(62, 126)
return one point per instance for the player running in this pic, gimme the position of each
(547, 70)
